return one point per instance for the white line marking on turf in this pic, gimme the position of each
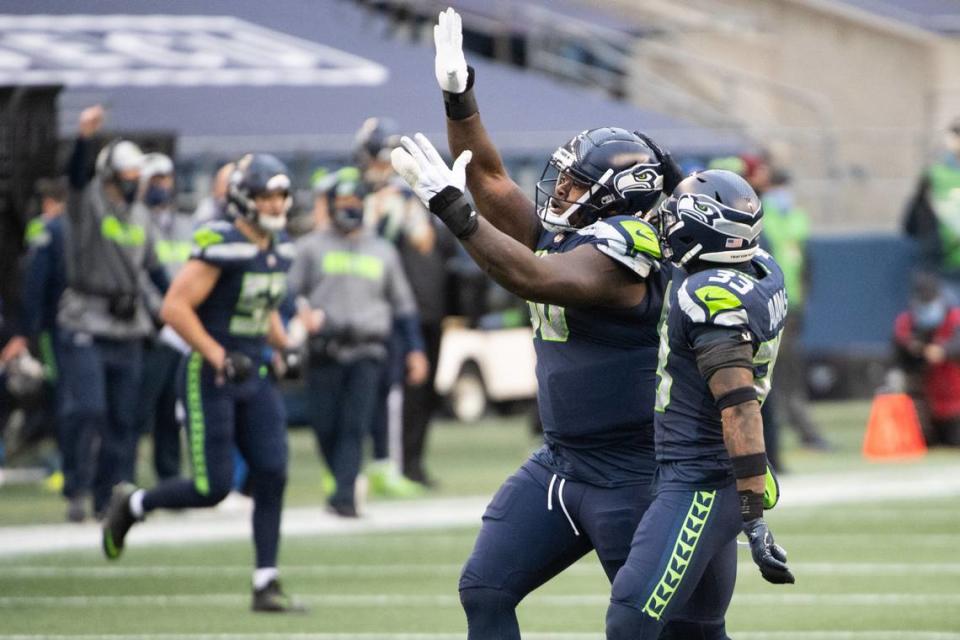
(399, 600)
(743, 635)
(426, 569)
(860, 487)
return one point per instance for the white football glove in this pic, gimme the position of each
(450, 66)
(425, 171)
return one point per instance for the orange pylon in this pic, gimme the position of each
(893, 430)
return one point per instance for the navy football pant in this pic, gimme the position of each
(344, 399)
(158, 400)
(101, 388)
(249, 416)
(536, 526)
(682, 568)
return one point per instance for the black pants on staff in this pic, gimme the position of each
(419, 404)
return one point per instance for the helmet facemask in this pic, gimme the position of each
(617, 172)
(595, 201)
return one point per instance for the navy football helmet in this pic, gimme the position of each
(712, 216)
(258, 173)
(619, 170)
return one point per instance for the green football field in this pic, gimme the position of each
(878, 568)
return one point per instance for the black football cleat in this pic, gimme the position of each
(117, 520)
(272, 599)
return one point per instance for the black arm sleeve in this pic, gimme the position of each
(78, 167)
(721, 347)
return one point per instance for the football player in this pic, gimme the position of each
(725, 316)
(224, 302)
(589, 268)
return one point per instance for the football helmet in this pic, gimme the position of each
(619, 171)
(255, 174)
(712, 216)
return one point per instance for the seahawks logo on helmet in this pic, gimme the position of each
(641, 177)
(708, 211)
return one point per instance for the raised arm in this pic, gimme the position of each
(497, 196)
(582, 277)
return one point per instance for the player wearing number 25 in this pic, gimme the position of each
(224, 304)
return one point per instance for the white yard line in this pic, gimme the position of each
(590, 567)
(743, 635)
(888, 482)
(453, 600)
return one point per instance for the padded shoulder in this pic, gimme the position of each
(628, 240)
(716, 296)
(220, 243)
(37, 235)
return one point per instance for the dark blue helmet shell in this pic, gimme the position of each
(256, 173)
(712, 216)
(621, 171)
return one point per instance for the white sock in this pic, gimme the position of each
(263, 576)
(136, 504)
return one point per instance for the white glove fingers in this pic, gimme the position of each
(429, 150)
(456, 31)
(415, 151)
(405, 166)
(460, 164)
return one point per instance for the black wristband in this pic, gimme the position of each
(751, 505)
(750, 465)
(736, 396)
(451, 206)
(460, 106)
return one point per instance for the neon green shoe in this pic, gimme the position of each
(387, 482)
(54, 482)
(328, 484)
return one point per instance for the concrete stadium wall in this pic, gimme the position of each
(852, 103)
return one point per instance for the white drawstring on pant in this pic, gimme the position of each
(563, 506)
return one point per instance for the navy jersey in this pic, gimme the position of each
(596, 367)
(45, 274)
(688, 427)
(252, 284)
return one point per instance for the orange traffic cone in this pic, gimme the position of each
(893, 430)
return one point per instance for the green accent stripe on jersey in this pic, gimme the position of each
(204, 237)
(197, 426)
(686, 544)
(718, 299)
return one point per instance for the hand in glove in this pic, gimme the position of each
(438, 186)
(769, 556)
(419, 163)
(237, 366)
(449, 65)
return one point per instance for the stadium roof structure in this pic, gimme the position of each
(938, 16)
(286, 76)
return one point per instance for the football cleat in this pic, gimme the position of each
(272, 599)
(117, 520)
